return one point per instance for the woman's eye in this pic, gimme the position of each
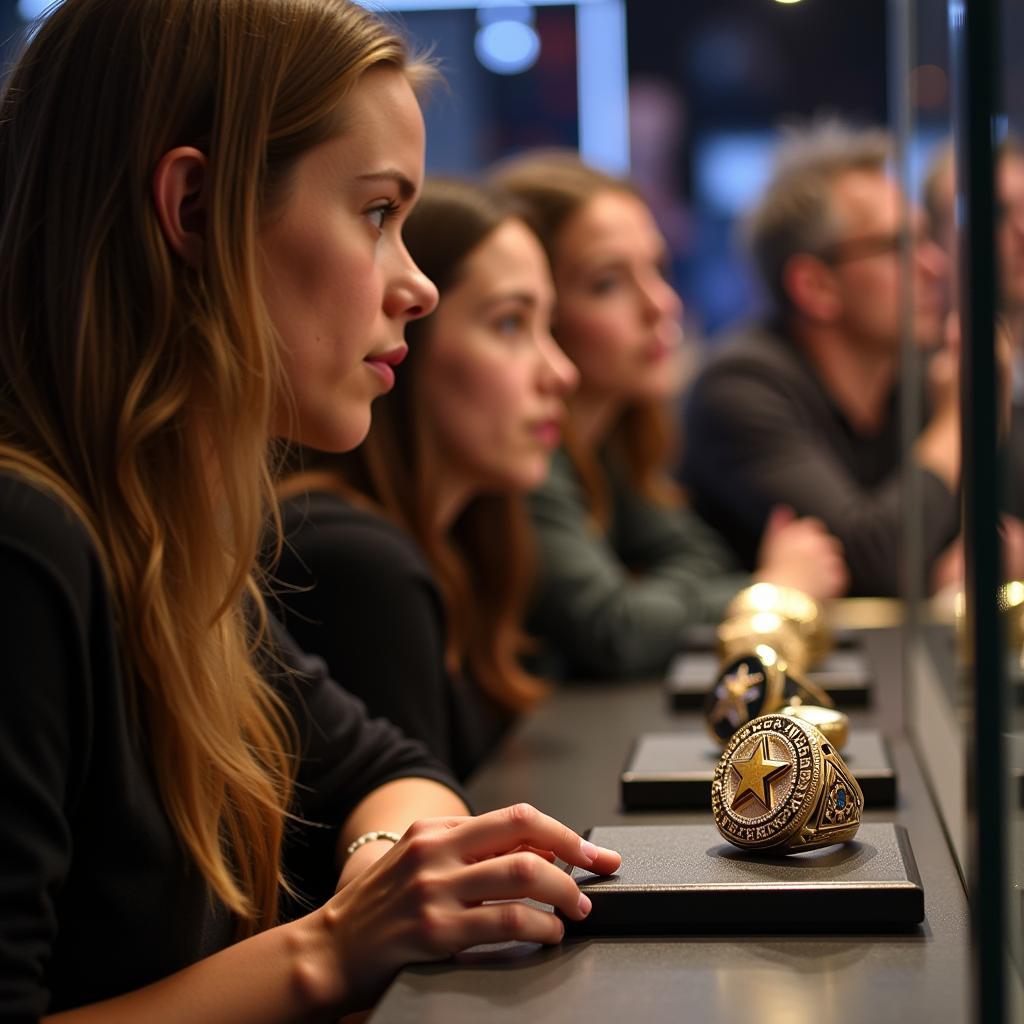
(380, 215)
(602, 285)
(511, 323)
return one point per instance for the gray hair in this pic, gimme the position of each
(795, 213)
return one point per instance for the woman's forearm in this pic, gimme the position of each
(283, 975)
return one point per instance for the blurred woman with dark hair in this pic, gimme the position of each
(428, 512)
(626, 566)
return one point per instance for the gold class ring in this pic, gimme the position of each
(832, 724)
(744, 689)
(800, 609)
(780, 786)
(755, 684)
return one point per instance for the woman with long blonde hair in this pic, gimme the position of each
(626, 566)
(433, 500)
(200, 250)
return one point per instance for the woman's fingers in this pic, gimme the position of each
(521, 824)
(526, 848)
(518, 876)
(506, 922)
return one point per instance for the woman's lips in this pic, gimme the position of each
(383, 363)
(657, 352)
(549, 432)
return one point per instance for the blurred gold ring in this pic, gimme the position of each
(781, 786)
(800, 609)
(798, 689)
(745, 688)
(756, 684)
(832, 724)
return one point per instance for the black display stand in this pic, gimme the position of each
(686, 879)
(672, 770)
(843, 674)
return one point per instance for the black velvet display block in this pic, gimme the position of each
(843, 674)
(679, 879)
(672, 770)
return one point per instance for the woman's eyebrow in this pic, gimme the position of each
(512, 296)
(405, 187)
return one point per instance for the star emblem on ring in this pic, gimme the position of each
(756, 774)
(735, 693)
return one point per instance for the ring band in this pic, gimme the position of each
(781, 786)
(832, 724)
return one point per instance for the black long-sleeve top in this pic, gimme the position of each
(761, 429)
(357, 590)
(97, 894)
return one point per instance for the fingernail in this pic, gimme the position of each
(588, 851)
(584, 904)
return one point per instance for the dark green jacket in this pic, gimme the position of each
(615, 603)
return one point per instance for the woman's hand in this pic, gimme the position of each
(801, 553)
(430, 895)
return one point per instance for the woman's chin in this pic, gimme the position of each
(337, 437)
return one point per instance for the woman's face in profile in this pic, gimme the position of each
(493, 379)
(336, 278)
(618, 317)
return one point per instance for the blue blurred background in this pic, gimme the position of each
(686, 96)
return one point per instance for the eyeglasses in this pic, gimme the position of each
(866, 246)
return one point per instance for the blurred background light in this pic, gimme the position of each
(732, 168)
(507, 47)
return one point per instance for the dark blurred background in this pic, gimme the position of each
(687, 96)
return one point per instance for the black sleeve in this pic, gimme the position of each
(42, 697)
(345, 756)
(358, 598)
(748, 451)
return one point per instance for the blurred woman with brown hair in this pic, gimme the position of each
(200, 250)
(429, 511)
(626, 566)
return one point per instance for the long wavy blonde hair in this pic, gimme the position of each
(141, 390)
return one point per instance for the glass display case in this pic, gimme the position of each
(958, 110)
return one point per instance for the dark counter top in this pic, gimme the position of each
(566, 759)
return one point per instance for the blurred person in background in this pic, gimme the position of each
(803, 408)
(939, 194)
(428, 513)
(625, 565)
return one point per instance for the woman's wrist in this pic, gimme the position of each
(358, 861)
(319, 974)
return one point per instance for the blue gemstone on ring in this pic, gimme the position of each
(841, 798)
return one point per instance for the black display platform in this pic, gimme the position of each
(843, 674)
(672, 770)
(687, 879)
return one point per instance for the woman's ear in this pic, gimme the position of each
(179, 194)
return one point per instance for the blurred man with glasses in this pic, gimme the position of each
(803, 409)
